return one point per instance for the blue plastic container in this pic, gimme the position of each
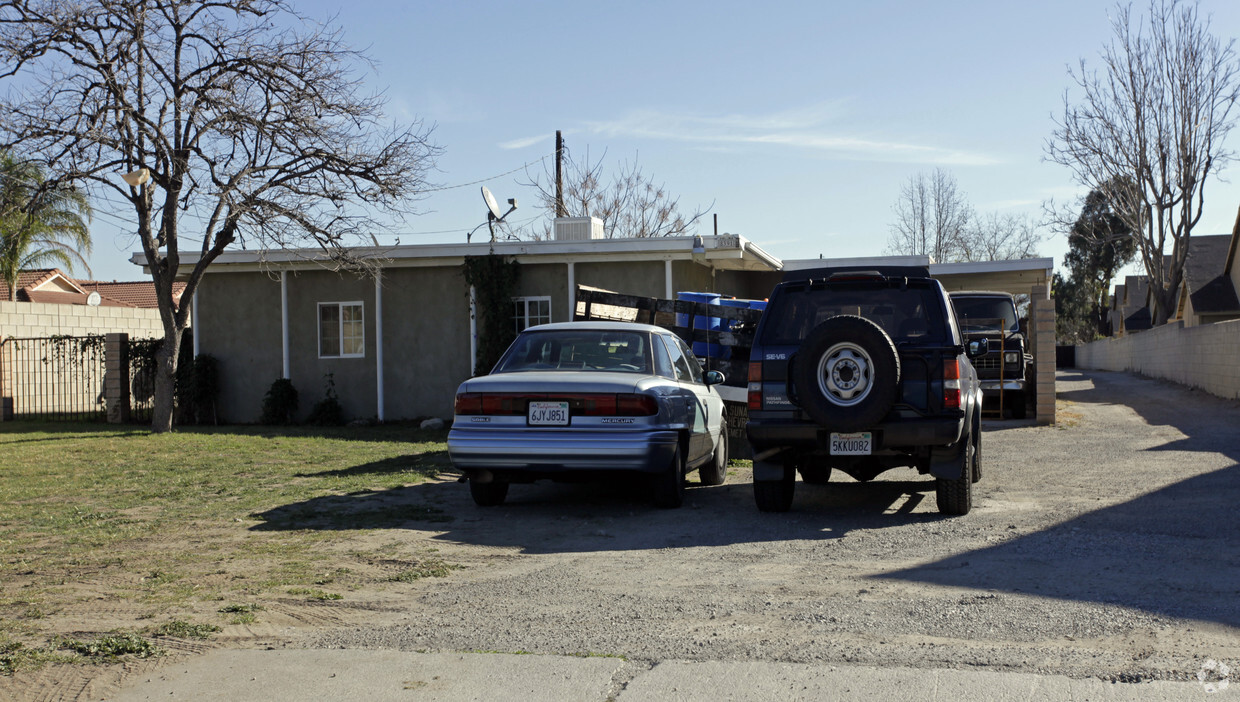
(701, 348)
(728, 324)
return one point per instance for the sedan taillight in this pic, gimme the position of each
(593, 405)
(468, 403)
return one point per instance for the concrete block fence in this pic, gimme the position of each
(1206, 356)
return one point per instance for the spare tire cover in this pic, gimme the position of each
(847, 373)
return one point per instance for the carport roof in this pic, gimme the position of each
(1016, 277)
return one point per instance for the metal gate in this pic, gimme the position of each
(58, 378)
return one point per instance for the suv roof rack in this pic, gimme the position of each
(885, 271)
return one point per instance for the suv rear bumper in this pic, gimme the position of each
(767, 433)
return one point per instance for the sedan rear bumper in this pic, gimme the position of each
(550, 451)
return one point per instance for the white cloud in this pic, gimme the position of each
(523, 142)
(805, 128)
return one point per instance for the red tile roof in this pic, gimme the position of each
(136, 294)
(112, 294)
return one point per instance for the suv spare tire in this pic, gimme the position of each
(847, 373)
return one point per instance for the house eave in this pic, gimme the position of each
(724, 252)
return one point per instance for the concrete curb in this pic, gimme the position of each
(288, 674)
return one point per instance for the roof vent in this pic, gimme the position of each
(578, 228)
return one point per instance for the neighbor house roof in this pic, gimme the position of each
(1205, 278)
(137, 294)
(53, 286)
(1135, 308)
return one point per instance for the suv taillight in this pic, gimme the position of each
(755, 385)
(951, 384)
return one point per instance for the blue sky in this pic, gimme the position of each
(800, 121)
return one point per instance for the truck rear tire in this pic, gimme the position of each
(776, 495)
(955, 495)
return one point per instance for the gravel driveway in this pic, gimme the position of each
(1107, 546)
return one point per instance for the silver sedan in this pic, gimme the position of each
(580, 400)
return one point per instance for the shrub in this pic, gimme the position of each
(327, 412)
(280, 403)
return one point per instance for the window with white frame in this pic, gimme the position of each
(341, 330)
(528, 311)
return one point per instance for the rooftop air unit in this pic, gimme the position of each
(578, 228)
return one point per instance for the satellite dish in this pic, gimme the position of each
(93, 299)
(492, 205)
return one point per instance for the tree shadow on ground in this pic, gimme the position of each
(427, 464)
(386, 432)
(614, 515)
(1171, 551)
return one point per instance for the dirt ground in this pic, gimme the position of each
(1106, 546)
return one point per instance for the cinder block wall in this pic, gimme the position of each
(27, 320)
(1203, 356)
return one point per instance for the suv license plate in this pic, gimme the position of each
(548, 414)
(858, 444)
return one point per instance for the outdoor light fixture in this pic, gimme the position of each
(136, 178)
(698, 246)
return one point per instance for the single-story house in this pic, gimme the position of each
(397, 345)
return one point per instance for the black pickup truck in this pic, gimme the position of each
(862, 371)
(1006, 369)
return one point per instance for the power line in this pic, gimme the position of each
(484, 180)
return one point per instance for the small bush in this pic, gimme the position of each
(114, 646)
(280, 403)
(186, 630)
(204, 389)
(327, 412)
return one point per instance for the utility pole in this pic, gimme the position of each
(559, 175)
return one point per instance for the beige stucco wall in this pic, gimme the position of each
(425, 340)
(426, 330)
(1202, 356)
(239, 324)
(645, 278)
(36, 320)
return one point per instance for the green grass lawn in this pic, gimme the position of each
(198, 524)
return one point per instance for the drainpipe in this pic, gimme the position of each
(473, 330)
(667, 276)
(283, 321)
(194, 311)
(379, 342)
(572, 291)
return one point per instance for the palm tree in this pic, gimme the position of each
(41, 222)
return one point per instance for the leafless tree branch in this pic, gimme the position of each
(242, 109)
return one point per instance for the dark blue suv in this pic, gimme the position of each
(862, 371)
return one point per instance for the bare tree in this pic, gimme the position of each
(932, 217)
(999, 237)
(630, 204)
(1157, 115)
(239, 119)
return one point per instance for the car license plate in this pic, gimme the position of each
(548, 414)
(857, 444)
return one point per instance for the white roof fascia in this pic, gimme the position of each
(720, 248)
(1046, 265)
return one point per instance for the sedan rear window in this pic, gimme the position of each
(578, 349)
